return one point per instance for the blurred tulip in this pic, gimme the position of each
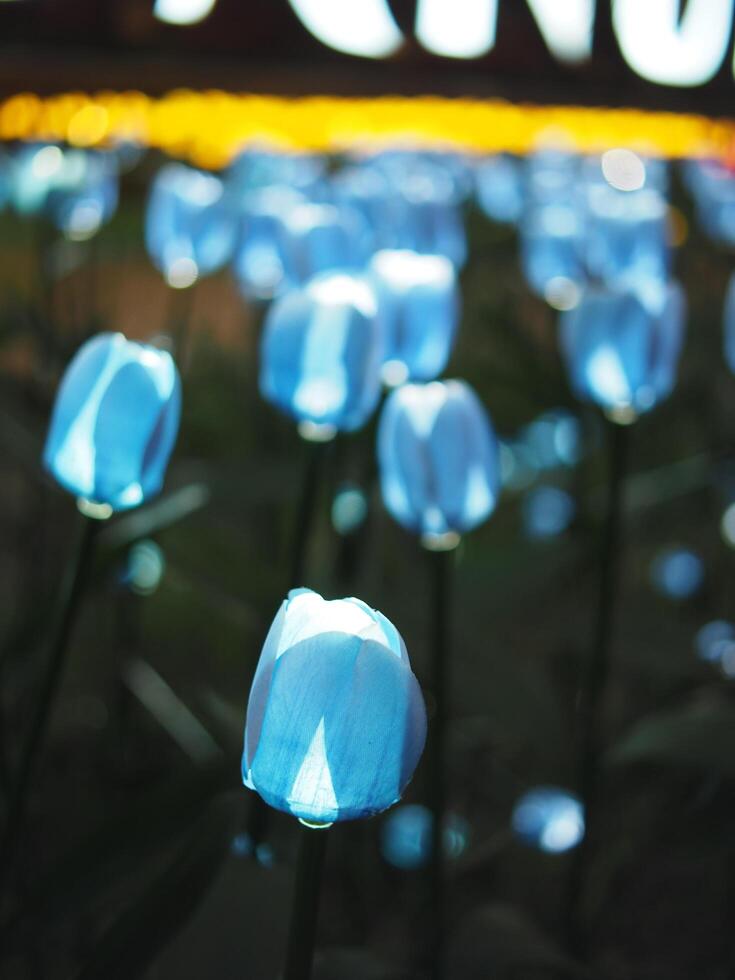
(418, 306)
(114, 423)
(626, 235)
(551, 241)
(438, 456)
(76, 189)
(728, 324)
(336, 722)
(257, 168)
(260, 263)
(622, 348)
(190, 224)
(321, 353)
(547, 511)
(322, 238)
(499, 188)
(549, 818)
(713, 187)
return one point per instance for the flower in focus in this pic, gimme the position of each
(336, 721)
(321, 352)
(115, 421)
(439, 459)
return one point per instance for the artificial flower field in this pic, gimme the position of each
(350, 497)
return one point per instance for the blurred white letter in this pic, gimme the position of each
(566, 27)
(360, 27)
(662, 48)
(457, 28)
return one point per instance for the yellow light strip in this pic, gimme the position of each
(208, 128)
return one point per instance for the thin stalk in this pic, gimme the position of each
(594, 682)
(72, 589)
(440, 643)
(305, 908)
(179, 328)
(260, 813)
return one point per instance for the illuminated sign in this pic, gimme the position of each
(658, 39)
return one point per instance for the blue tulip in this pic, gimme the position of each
(728, 324)
(77, 189)
(622, 347)
(336, 722)
(260, 262)
(499, 188)
(321, 238)
(190, 226)
(79, 205)
(547, 511)
(115, 421)
(713, 187)
(551, 244)
(257, 169)
(549, 818)
(418, 305)
(439, 460)
(322, 351)
(626, 235)
(406, 837)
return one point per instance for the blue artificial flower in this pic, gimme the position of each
(713, 187)
(621, 347)
(418, 305)
(551, 236)
(260, 261)
(626, 235)
(77, 189)
(728, 324)
(322, 351)
(84, 195)
(336, 722)
(322, 238)
(439, 459)
(499, 188)
(115, 421)
(549, 818)
(190, 226)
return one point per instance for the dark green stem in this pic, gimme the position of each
(594, 682)
(305, 908)
(69, 600)
(440, 644)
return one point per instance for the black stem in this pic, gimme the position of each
(305, 908)
(72, 589)
(440, 643)
(316, 452)
(180, 317)
(597, 670)
(260, 813)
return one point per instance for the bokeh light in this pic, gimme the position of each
(549, 818)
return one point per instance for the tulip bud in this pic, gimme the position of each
(114, 422)
(336, 722)
(622, 347)
(190, 227)
(439, 458)
(418, 305)
(321, 353)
